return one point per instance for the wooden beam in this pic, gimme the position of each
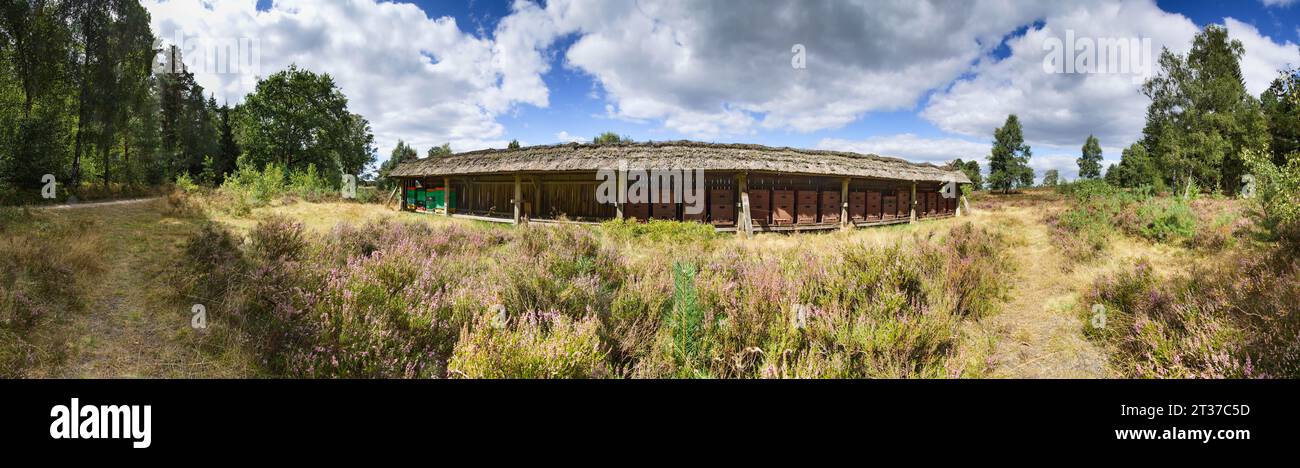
(745, 223)
(913, 217)
(401, 183)
(446, 196)
(517, 199)
(844, 202)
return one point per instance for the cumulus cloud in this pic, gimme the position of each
(911, 147)
(1063, 108)
(708, 68)
(565, 137)
(416, 78)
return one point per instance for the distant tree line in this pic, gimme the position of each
(86, 96)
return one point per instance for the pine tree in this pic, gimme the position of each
(1090, 161)
(1009, 159)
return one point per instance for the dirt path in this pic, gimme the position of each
(131, 327)
(1039, 329)
(97, 204)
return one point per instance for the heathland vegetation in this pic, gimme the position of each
(1180, 261)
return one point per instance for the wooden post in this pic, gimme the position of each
(401, 183)
(746, 223)
(446, 196)
(913, 218)
(537, 197)
(844, 202)
(519, 192)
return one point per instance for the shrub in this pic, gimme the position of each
(538, 345)
(46, 272)
(1229, 320)
(1165, 220)
(1277, 198)
(658, 230)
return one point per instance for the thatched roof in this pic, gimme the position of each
(677, 155)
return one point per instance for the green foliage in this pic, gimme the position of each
(538, 346)
(1281, 106)
(185, 184)
(1051, 178)
(514, 144)
(610, 137)
(972, 170)
(296, 118)
(437, 151)
(1166, 220)
(1277, 197)
(401, 153)
(1009, 160)
(658, 230)
(1090, 161)
(1201, 120)
(686, 321)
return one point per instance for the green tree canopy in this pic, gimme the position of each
(1201, 119)
(436, 151)
(1090, 161)
(1009, 159)
(1051, 178)
(401, 153)
(514, 144)
(611, 137)
(972, 170)
(296, 118)
(1281, 106)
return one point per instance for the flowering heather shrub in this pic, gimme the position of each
(861, 311)
(536, 345)
(388, 299)
(46, 270)
(1231, 320)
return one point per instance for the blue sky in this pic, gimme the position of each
(927, 82)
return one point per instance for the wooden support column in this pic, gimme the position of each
(537, 198)
(519, 193)
(844, 202)
(401, 185)
(913, 218)
(446, 196)
(745, 223)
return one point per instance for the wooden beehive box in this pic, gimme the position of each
(636, 211)
(782, 207)
(722, 207)
(904, 204)
(760, 206)
(831, 207)
(858, 206)
(889, 206)
(665, 208)
(702, 215)
(873, 206)
(932, 206)
(806, 207)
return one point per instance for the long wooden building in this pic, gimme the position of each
(747, 187)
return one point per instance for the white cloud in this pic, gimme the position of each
(707, 68)
(416, 78)
(1277, 3)
(1061, 108)
(912, 148)
(565, 137)
(1263, 58)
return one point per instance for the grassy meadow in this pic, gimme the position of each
(294, 285)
